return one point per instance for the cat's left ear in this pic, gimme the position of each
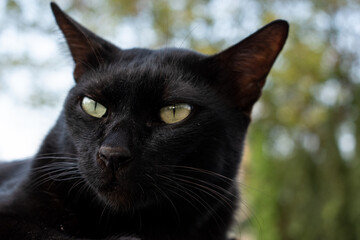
(241, 70)
(88, 50)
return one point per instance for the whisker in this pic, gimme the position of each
(200, 170)
(165, 195)
(210, 192)
(56, 153)
(188, 35)
(252, 214)
(183, 190)
(55, 157)
(84, 189)
(61, 171)
(211, 185)
(207, 207)
(60, 167)
(55, 176)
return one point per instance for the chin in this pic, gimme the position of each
(124, 197)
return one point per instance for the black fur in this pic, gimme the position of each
(179, 179)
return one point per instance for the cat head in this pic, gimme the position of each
(144, 122)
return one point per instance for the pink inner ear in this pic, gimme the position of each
(246, 64)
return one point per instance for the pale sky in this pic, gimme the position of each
(22, 128)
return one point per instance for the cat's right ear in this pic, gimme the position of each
(87, 49)
(240, 71)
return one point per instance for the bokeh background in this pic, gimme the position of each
(300, 178)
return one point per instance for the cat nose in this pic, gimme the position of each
(114, 157)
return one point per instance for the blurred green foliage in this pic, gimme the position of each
(302, 176)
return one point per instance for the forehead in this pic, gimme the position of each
(145, 74)
(144, 66)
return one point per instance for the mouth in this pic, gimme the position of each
(121, 190)
(116, 196)
(127, 195)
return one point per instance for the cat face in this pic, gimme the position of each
(129, 151)
(146, 123)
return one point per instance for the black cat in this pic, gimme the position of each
(147, 146)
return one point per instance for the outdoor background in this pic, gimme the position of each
(301, 175)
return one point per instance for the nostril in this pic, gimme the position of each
(114, 157)
(102, 155)
(103, 158)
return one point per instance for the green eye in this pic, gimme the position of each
(175, 113)
(93, 108)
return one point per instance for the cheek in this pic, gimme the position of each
(84, 135)
(95, 175)
(192, 145)
(88, 164)
(87, 144)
